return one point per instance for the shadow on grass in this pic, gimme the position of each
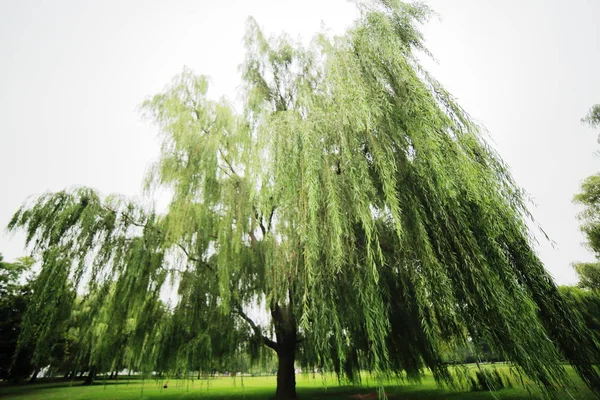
(194, 390)
(20, 388)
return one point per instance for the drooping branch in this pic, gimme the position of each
(227, 161)
(195, 259)
(260, 220)
(270, 223)
(132, 221)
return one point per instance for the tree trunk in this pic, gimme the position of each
(90, 378)
(34, 376)
(286, 377)
(285, 331)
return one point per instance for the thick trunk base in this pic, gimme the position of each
(90, 378)
(34, 375)
(286, 378)
(286, 334)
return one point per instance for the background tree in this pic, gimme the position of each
(589, 197)
(593, 117)
(589, 275)
(351, 197)
(15, 292)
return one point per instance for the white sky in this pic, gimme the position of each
(73, 72)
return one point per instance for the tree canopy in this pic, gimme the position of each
(587, 303)
(589, 275)
(593, 117)
(15, 292)
(352, 198)
(589, 197)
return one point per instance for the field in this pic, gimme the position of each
(249, 388)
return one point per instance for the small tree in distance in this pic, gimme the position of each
(15, 293)
(589, 198)
(593, 117)
(352, 197)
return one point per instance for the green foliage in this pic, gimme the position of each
(589, 197)
(14, 296)
(593, 117)
(489, 380)
(587, 301)
(352, 198)
(589, 275)
(10, 273)
(587, 304)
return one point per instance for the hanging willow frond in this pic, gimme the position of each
(353, 198)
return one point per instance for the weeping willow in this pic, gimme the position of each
(352, 198)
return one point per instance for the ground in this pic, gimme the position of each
(250, 388)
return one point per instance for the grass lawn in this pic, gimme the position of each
(260, 388)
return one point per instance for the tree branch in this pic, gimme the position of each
(252, 237)
(193, 258)
(227, 161)
(226, 172)
(257, 331)
(159, 231)
(261, 224)
(271, 218)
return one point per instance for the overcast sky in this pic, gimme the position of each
(73, 72)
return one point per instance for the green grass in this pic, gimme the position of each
(250, 388)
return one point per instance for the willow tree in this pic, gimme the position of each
(352, 198)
